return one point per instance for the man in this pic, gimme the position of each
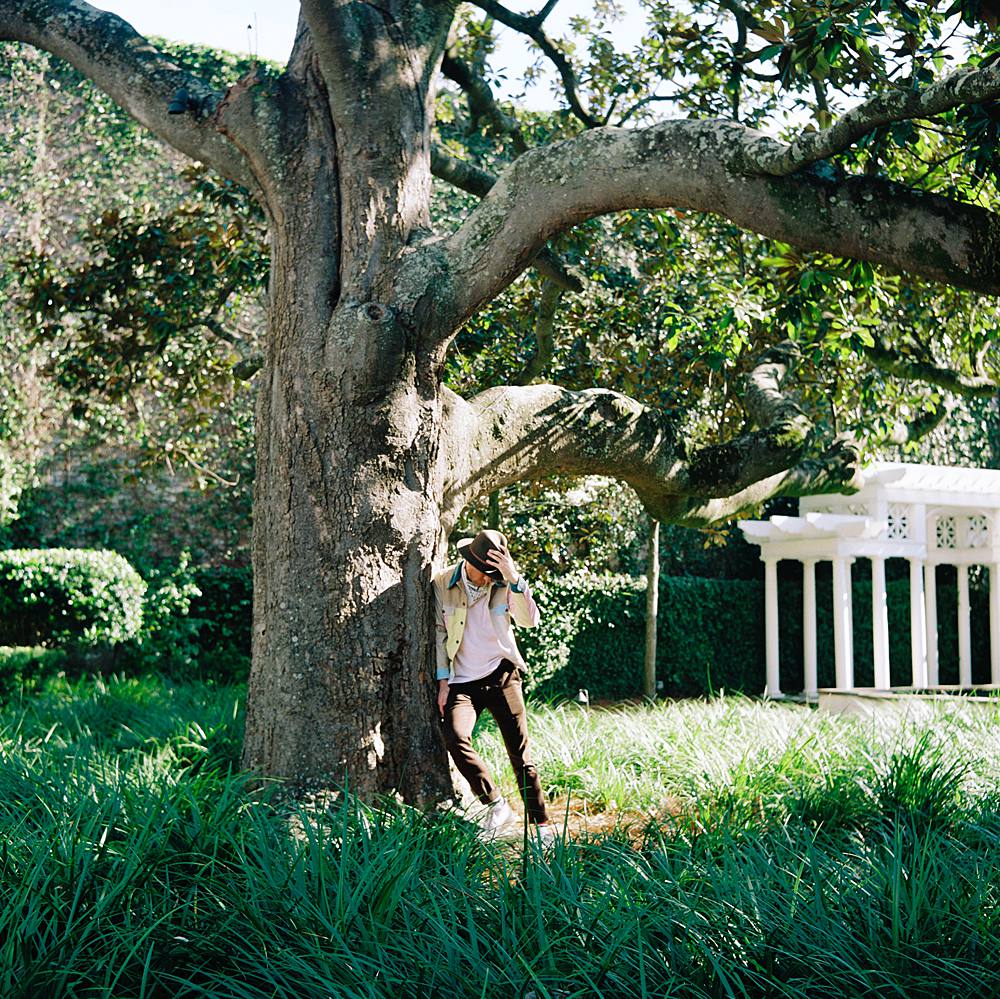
(479, 666)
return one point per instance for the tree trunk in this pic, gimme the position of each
(347, 527)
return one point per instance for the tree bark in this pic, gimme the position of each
(348, 487)
(346, 529)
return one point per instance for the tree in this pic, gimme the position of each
(364, 458)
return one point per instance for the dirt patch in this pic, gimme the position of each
(582, 821)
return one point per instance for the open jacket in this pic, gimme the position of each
(451, 605)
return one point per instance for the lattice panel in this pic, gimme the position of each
(898, 522)
(944, 532)
(977, 531)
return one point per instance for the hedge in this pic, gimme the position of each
(710, 635)
(196, 624)
(592, 632)
(68, 596)
(593, 635)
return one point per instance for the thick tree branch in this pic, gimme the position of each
(703, 166)
(372, 57)
(890, 360)
(377, 63)
(531, 25)
(469, 177)
(109, 52)
(510, 434)
(778, 442)
(837, 470)
(964, 86)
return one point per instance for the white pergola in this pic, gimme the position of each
(928, 514)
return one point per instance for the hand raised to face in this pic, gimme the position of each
(499, 558)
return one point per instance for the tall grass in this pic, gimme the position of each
(800, 856)
(645, 757)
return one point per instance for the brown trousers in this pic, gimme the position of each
(500, 694)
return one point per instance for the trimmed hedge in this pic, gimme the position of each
(196, 624)
(592, 634)
(710, 635)
(68, 596)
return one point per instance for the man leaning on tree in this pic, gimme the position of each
(479, 667)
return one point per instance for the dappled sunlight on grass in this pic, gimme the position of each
(642, 757)
(722, 848)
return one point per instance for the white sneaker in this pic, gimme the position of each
(498, 814)
(546, 833)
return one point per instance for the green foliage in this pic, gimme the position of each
(196, 624)
(116, 407)
(168, 639)
(592, 635)
(562, 522)
(224, 612)
(57, 597)
(587, 635)
(100, 487)
(23, 669)
(145, 308)
(710, 635)
(136, 861)
(676, 306)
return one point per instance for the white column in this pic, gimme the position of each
(843, 637)
(930, 617)
(964, 629)
(918, 632)
(810, 678)
(880, 624)
(995, 623)
(773, 688)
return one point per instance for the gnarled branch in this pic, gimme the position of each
(837, 470)
(136, 75)
(964, 86)
(702, 166)
(462, 174)
(509, 434)
(890, 360)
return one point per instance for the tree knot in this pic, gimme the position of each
(375, 312)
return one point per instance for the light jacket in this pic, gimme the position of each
(451, 605)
